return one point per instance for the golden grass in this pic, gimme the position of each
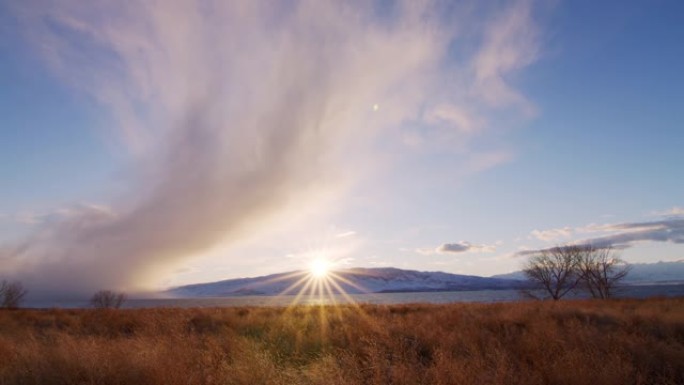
(578, 342)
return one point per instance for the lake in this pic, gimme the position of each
(483, 296)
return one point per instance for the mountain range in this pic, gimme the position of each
(351, 281)
(388, 279)
(639, 273)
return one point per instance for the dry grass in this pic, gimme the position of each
(587, 342)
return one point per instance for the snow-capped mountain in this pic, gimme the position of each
(659, 272)
(640, 273)
(352, 281)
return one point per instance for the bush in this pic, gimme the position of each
(107, 299)
(12, 294)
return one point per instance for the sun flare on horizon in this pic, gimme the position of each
(319, 268)
(320, 282)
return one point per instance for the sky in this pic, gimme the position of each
(145, 144)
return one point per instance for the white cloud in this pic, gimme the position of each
(345, 234)
(456, 117)
(234, 110)
(426, 250)
(673, 212)
(510, 44)
(625, 235)
(552, 234)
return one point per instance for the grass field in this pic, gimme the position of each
(573, 342)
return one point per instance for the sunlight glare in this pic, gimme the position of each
(319, 268)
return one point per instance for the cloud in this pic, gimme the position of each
(462, 246)
(345, 234)
(455, 116)
(506, 48)
(232, 111)
(62, 214)
(424, 250)
(673, 212)
(483, 161)
(626, 235)
(453, 247)
(552, 234)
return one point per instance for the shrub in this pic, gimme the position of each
(12, 294)
(107, 299)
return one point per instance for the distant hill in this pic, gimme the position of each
(352, 281)
(640, 273)
(660, 272)
(389, 279)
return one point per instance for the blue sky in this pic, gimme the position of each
(193, 142)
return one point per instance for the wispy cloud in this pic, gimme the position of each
(673, 212)
(232, 110)
(459, 247)
(345, 234)
(624, 235)
(506, 48)
(627, 234)
(464, 246)
(454, 117)
(456, 248)
(552, 234)
(61, 214)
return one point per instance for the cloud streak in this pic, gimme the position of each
(673, 212)
(232, 111)
(457, 248)
(623, 235)
(552, 234)
(627, 234)
(463, 246)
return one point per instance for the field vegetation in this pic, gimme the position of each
(569, 342)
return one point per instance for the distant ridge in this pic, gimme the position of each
(353, 281)
(640, 273)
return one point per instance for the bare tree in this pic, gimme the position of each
(107, 299)
(601, 270)
(555, 270)
(12, 294)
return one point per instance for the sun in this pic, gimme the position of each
(321, 282)
(319, 268)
